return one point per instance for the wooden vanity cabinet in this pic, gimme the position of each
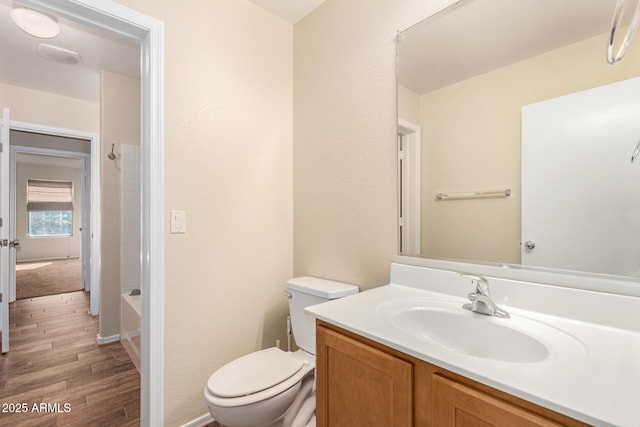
(363, 383)
(359, 384)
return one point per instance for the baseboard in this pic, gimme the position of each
(47, 259)
(106, 340)
(200, 421)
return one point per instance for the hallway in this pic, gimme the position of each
(57, 373)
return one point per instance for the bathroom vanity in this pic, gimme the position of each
(362, 383)
(408, 354)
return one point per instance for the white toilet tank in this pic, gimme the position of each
(305, 291)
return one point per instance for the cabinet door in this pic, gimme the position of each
(458, 405)
(368, 387)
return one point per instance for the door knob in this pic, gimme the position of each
(529, 244)
(10, 243)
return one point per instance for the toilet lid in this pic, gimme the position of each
(253, 373)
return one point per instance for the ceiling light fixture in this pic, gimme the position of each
(35, 23)
(58, 54)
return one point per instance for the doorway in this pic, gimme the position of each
(44, 149)
(51, 208)
(409, 161)
(120, 21)
(48, 191)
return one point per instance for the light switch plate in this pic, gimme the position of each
(178, 222)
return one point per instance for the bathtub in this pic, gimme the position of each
(130, 309)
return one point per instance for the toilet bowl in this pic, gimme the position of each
(257, 390)
(271, 387)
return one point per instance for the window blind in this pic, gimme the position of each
(45, 195)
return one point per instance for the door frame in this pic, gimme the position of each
(409, 162)
(121, 21)
(94, 200)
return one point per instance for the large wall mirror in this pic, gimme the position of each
(516, 137)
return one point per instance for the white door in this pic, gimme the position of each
(4, 228)
(580, 191)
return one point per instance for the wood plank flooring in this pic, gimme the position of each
(57, 375)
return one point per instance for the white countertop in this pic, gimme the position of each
(599, 386)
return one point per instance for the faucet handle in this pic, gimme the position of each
(480, 284)
(480, 298)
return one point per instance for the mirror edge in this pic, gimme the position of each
(563, 278)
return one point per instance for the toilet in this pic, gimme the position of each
(271, 387)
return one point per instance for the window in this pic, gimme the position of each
(50, 223)
(50, 208)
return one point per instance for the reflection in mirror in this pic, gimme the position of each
(511, 109)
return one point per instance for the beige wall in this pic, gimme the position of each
(408, 105)
(44, 108)
(471, 138)
(39, 248)
(228, 164)
(345, 120)
(120, 124)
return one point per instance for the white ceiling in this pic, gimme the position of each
(290, 10)
(475, 37)
(22, 66)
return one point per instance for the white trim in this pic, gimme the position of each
(87, 230)
(5, 138)
(94, 194)
(411, 188)
(200, 421)
(106, 340)
(152, 242)
(47, 259)
(117, 19)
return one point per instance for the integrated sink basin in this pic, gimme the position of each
(517, 339)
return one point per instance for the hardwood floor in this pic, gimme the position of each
(56, 374)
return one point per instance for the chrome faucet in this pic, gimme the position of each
(480, 298)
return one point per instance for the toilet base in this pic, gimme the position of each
(303, 409)
(299, 413)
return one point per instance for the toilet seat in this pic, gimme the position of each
(255, 377)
